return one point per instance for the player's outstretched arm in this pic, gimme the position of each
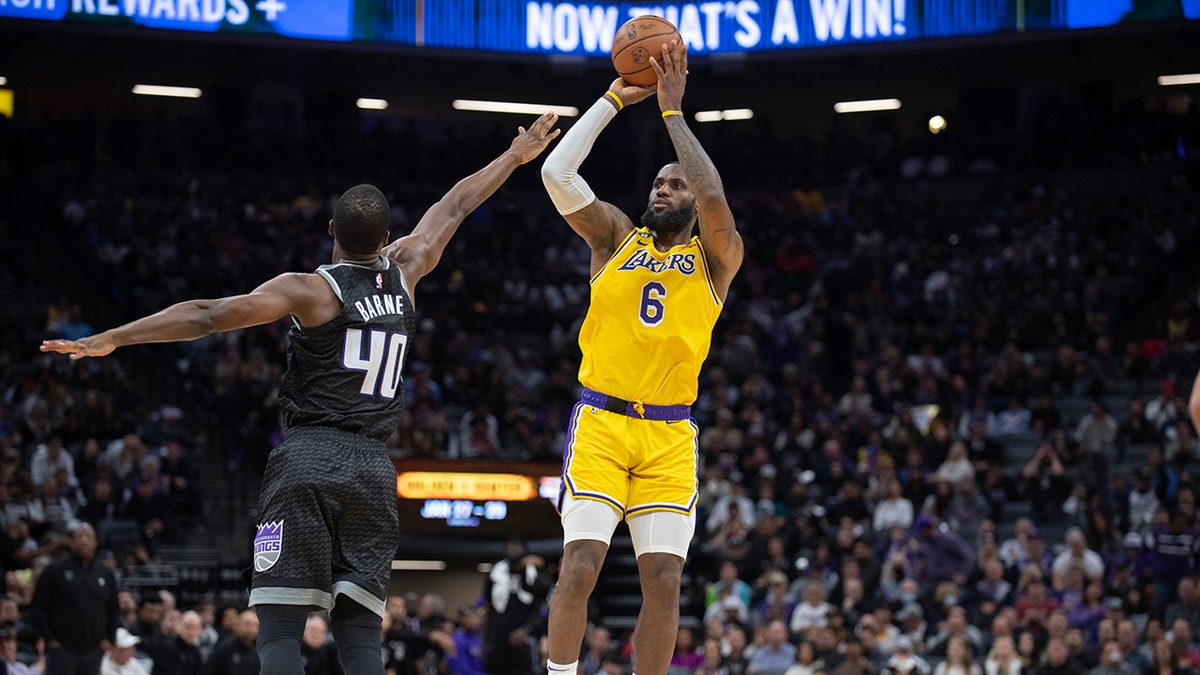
(305, 296)
(718, 232)
(418, 253)
(601, 224)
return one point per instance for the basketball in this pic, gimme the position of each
(640, 38)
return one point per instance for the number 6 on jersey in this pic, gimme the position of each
(653, 294)
(379, 344)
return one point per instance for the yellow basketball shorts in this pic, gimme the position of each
(634, 465)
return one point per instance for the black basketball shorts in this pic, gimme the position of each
(327, 521)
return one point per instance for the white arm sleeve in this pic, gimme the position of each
(560, 173)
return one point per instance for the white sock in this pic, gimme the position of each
(562, 669)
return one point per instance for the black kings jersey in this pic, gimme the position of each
(346, 373)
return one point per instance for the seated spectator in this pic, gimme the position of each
(954, 627)
(983, 450)
(737, 659)
(1045, 416)
(1058, 661)
(814, 611)
(883, 633)
(1112, 662)
(124, 456)
(1013, 550)
(1165, 661)
(735, 506)
(319, 654)
(1090, 610)
(775, 655)
(993, 586)
(1003, 659)
(729, 610)
(855, 661)
(894, 510)
(238, 655)
(957, 466)
(807, 662)
(684, 659)
(1029, 651)
(1184, 644)
(1135, 430)
(120, 660)
(179, 654)
(911, 620)
(958, 659)
(1034, 607)
(711, 662)
(1014, 419)
(1186, 606)
(48, 459)
(727, 583)
(596, 645)
(775, 605)
(904, 661)
(854, 602)
(1127, 639)
(57, 512)
(1097, 432)
(1143, 501)
(151, 511)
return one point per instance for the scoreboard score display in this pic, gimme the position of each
(478, 498)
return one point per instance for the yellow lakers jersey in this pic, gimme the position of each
(650, 323)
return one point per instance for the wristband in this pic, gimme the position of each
(617, 99)
(669, 113)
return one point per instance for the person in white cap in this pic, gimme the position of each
(119, 660)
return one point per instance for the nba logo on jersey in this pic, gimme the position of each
(379, 280)
(267, 544)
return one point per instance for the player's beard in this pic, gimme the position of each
(670, 222)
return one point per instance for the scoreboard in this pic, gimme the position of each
(478, 498)
(586, 29)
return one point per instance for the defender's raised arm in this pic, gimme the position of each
(418, 253)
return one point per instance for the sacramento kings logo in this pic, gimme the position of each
(267, 544)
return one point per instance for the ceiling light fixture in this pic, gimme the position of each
(511, 107)
(163, 90)
(870, 105)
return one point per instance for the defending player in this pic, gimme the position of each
(656, 294)
(329, 528)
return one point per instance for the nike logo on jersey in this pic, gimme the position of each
(374, 306)
(684, 262)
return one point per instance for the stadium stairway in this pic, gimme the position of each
(618, 591)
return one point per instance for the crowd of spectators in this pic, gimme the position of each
(886, 347)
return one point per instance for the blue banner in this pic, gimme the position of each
(587, 29)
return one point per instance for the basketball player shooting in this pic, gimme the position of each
(656, 293)
(329, 527)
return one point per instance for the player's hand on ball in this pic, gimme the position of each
(631, 93)
(530, 143)
(672, 75)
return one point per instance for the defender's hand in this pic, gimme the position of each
(94, 346)
(531, 143)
